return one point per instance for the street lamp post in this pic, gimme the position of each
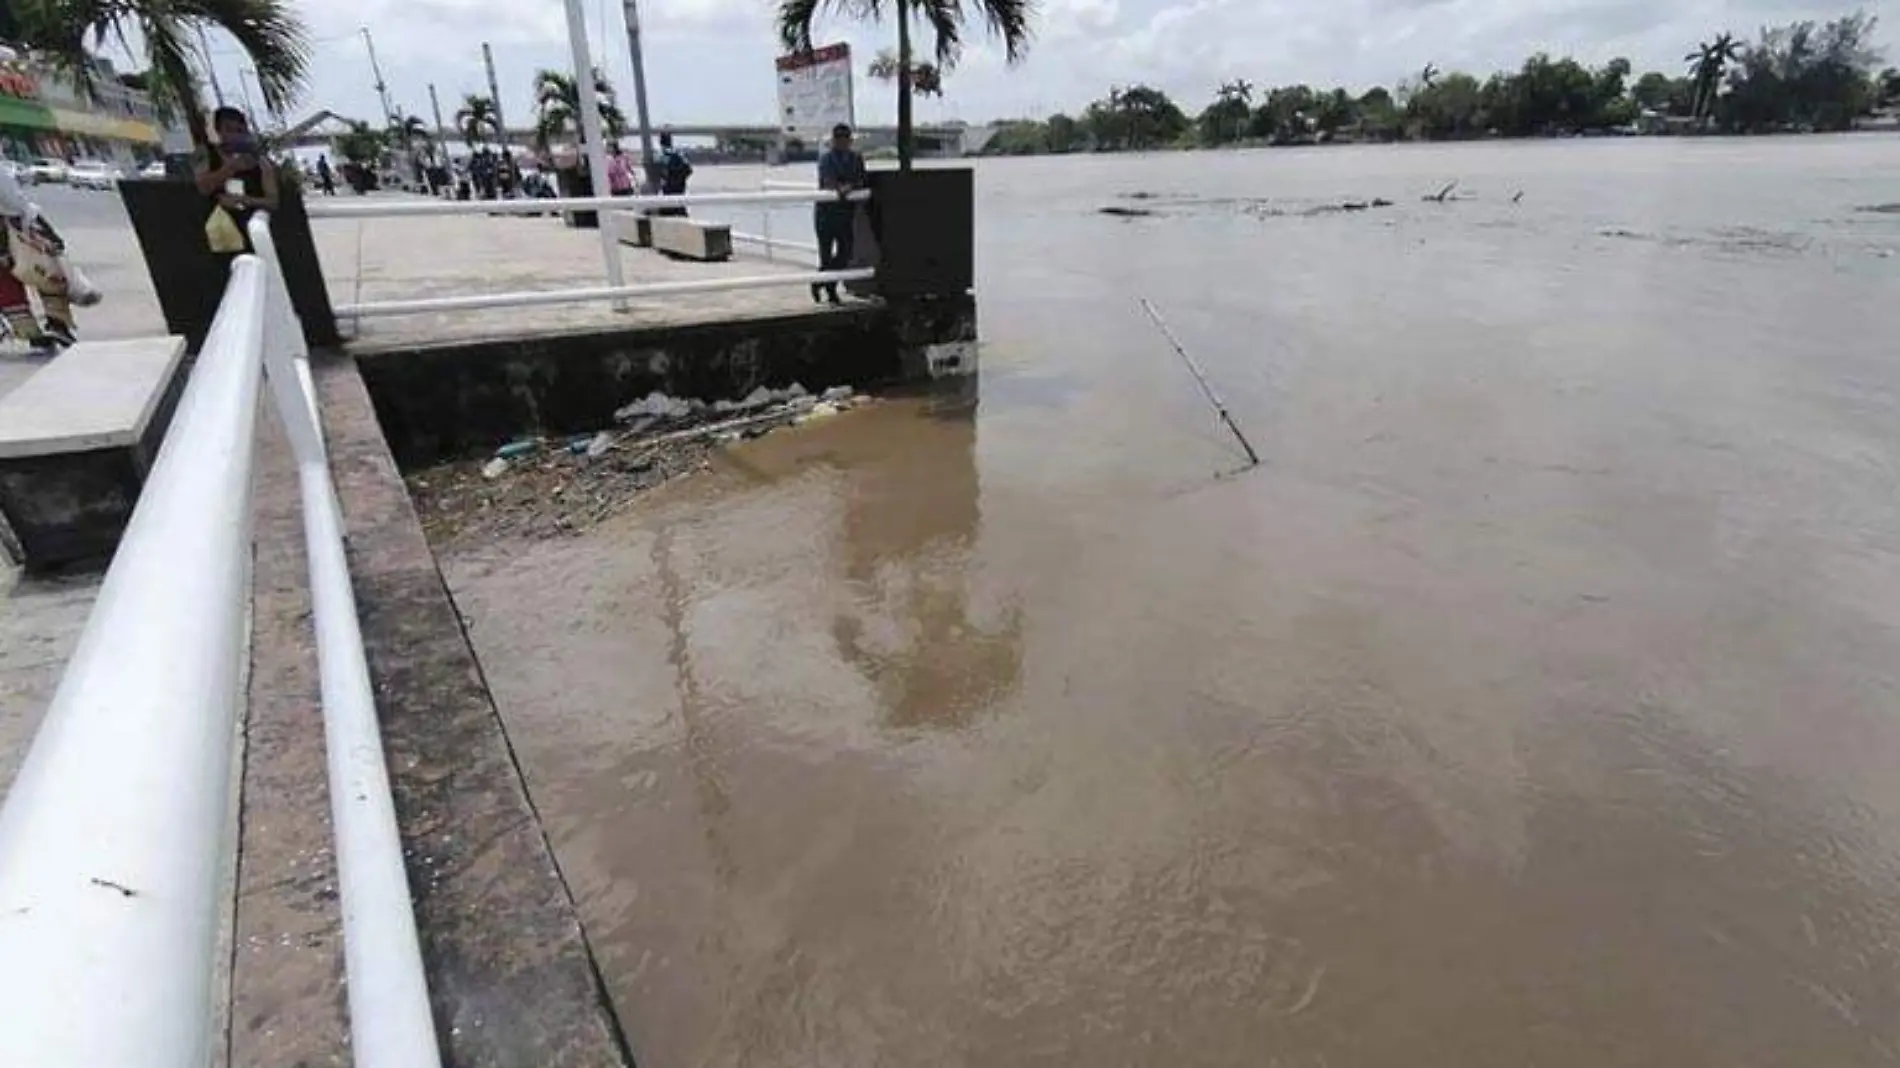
(591, 134)
(631, 9)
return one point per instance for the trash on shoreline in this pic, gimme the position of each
(536, 487)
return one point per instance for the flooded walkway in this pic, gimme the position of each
(1533, 704)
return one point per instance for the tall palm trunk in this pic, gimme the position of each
(905, 137)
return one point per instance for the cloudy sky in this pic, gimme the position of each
(711, 60)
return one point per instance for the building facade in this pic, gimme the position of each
(44, 113)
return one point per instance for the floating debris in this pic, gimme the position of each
(655, 405)
(1124, 212)
(1441, 196)
(1881, 209)
(543, 490)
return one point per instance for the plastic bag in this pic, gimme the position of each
(222, 233)
(79, 288)
(40, 262)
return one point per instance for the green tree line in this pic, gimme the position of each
(1802, 76)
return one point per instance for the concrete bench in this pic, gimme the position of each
(690, 239)
(76, 441)
(633, 228)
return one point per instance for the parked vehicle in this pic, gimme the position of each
(94, 174)
(47, 169)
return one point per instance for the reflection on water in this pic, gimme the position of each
(910, 524)
(1531, 704)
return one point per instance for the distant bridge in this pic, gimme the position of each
(954, 140)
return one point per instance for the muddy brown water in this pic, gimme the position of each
(1534, 704)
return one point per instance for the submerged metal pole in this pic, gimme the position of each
(596, 143)
(1207, 391)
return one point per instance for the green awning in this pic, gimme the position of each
(29, 114)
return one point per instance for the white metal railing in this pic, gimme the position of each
(764, 239)
(371, 209)
(115, 838)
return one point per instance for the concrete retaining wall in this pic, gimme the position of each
(461, 399)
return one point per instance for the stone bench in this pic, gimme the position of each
(632, 228)
(690, 239)
(76, 441)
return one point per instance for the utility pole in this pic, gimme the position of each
(211, 68)
(382, 88)
(245, 87)
(436, 107)
(631, 9)
(494, 94)
(590, 133)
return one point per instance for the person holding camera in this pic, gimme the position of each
(234, 173)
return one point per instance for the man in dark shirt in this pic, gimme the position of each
(840, 170)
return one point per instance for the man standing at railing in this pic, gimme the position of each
(840, 170)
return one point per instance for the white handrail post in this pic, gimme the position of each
(596, 141)
(391, 1025)
(114, 840)
(286, 355)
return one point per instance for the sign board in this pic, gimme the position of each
(814, 93)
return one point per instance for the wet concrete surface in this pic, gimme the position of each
(1531, 705)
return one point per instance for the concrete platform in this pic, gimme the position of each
(76, 441)
(40, 619)
(389, 259)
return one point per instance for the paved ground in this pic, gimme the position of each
(40, 619)
(383, 259)
(365, 260)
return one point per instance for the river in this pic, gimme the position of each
(1534, 703)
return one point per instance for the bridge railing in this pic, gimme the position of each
(118, 834)
(614, 290)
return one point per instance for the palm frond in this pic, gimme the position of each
(796, 17)
(945, 18)
(268, 31)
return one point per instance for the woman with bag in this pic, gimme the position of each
(238, 179)
(32, 256)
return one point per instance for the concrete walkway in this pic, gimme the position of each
(40, 619)
(511, 978)
(383, 259)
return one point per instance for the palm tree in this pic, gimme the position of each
(926, 79)
(476, 115)
(557, 101)
(408, 130)
(1008, 20)
(1707, 64)
(268, 31)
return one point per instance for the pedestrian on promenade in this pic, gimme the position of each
(325, 176)
(33, 255)
(840, 171)
(234, 174)
(675, 170)
(619, 172)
